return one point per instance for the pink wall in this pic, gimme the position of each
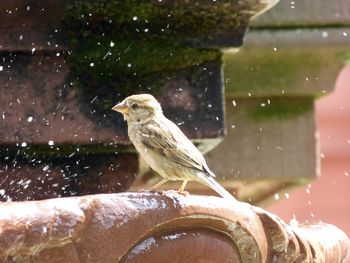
(327, 199)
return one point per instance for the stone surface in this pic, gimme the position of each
(33, 176)
(289, 57)
(300, 13)
(38, 104)
(299, 37)
(286, 63)
(26, 25)
(262, 144)
(140, 227)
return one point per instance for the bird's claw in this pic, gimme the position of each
(184, 193)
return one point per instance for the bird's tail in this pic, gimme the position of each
(210, 181)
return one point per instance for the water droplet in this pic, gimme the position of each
(279, 148)
(294, 221)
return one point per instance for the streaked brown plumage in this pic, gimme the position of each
(163, 145)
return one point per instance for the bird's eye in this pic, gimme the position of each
(135, 106)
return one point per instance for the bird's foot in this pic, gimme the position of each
(145, 190)
(184, 193)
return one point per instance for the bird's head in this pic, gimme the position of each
(138, 107)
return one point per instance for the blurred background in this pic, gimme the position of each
(328, 198)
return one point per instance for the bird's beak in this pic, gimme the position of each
(121, 107)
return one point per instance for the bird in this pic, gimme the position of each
(163, 146)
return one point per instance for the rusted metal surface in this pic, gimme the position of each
(160, 227)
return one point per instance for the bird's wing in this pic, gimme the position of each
(168, 140)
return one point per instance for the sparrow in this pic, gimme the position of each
(163, 145)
